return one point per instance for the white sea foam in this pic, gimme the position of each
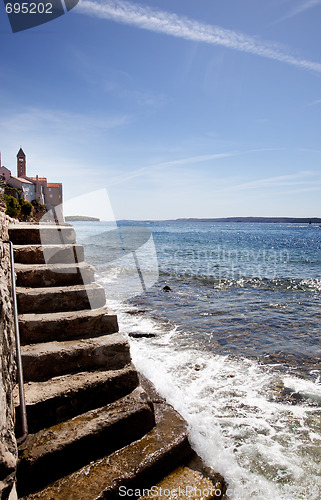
(305, 388)
(259, 427)
(265, 448)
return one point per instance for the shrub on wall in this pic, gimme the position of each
(2, 186)
(21, 209)
(13, 206)
(26, 209)
(15, 192)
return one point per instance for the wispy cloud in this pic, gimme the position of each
(299, 9)
(171, 24)
(63, 144)
(299, 178)
(167, 164)
(314, 103)
(64, 122)
(305, 150)
(113, 81)
(181, 162)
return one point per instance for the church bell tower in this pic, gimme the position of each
(21, 164)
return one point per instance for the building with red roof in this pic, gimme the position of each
(34, 188)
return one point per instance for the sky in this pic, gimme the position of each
(178, 108)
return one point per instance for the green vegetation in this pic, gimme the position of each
(18, 208)
(36, 203)
(11, 191)
(12, 205)
(26, 208)
(2, 186)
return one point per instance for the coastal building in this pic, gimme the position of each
(21, 163)
(26, 186)
(33, 188)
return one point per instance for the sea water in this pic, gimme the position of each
(234, 346)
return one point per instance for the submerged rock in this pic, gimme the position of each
(137, 335)
(135, 312)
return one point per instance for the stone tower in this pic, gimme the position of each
(21, 164)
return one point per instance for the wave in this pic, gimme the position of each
(264, 446)
(225, 282)
(305, 285)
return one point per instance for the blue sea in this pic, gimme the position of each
(234, 345)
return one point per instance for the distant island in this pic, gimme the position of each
(80, 218)
(279, 220)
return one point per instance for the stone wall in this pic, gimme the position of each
(8, 447)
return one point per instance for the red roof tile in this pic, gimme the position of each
(21, 179)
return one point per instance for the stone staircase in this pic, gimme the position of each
(93, 428)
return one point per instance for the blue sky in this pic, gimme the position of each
(180, 108)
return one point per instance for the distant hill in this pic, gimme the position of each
(279, 220)
(80, 218)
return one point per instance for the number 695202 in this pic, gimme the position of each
(29, 8)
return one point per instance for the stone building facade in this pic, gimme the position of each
(33, 188)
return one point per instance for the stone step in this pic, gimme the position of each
(191, 481)
(56, 451)
(42, 275)
(60, 298)
(139, 465)
(45, 360)
(64, 397)
(48, 327)
(41, 234)
(48, 254)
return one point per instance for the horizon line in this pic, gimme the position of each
(204, 219)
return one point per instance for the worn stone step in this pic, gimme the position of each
(41, 234)
(42, 275)
(66, 396)
(56, 451)
(60, 298)
(66, 325)
(48, 254)
(138, 465)
(50, 359)
(190, 481)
